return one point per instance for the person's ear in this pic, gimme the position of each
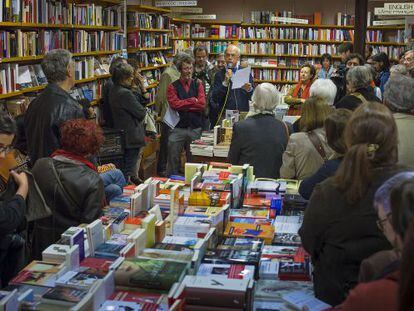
(69, 71)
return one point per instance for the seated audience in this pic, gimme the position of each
(307, 150)
(70, 183)
(327, 67)
(408, 61)
(381, 64)
(185, 96)
(113, 181)
(325, 89)
(12, 210)
(405, 292)
(260, 139)
(108, 120)
(398, 96)
(339, 228)
(53, 106)
(128, 114)
(300, 92)
(358, 80)
(394, 220)
(334, 127)
(353, 60)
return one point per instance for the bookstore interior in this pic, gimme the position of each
(206, 155)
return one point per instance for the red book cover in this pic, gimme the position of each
(98, 264)
(134, 296)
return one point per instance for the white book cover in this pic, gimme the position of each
(300, 299)
(216, 283)
(95, 235)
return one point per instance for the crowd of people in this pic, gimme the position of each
(350, 148)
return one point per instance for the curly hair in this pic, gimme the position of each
(82, 137)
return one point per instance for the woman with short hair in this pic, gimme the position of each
(298, 93)
(327, 68)
(307, 150)
(260, 139)
(128, 114)
(69, 182)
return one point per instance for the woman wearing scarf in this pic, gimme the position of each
(300, 92)
(260, 139)
(69, 182)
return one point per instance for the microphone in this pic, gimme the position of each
(229, 66)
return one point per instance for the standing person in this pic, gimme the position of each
(170, 75)
(368, 51)
(186, 96)
(108, 120)
(344, 50)
(220, 64)
(339, 76)
(53, 106)
(70, 184)
(298, 93)
(339, 228)
(13, 210)
(223, 95)
(138, 83)
(381, 64)
(128, 115)
(202, 69)
(260, 139)
(398, 96)
(307, 150)
(327, 67)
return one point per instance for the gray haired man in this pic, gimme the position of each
(53, 106)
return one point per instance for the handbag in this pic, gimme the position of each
(36, 206)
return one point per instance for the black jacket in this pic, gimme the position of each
(237, 99)
(43, 118)
(338, 236)
(81, 202)
(105, 107)
(128, 114)
(352, 102)
(328, 169)
(259, 141)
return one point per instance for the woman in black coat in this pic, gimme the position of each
(12, 210)
(70, 184)
(339, 228)
(128, 115)
(260, 139)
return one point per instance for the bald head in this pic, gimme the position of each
(232, 55)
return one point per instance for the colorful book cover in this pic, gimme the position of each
(264, 232)
(227, 270)
(150, 273)
(38, 273)
(135, 296)
(64, 295)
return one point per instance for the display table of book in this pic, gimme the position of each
(218, 240)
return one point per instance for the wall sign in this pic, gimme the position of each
(400, 8)
(204, 16)
(187, 10)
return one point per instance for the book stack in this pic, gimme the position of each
(203, 146)
(222, 141)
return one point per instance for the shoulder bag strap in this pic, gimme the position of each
(316, 142)
(67, 194)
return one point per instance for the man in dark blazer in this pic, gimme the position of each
(223, 96)
(260, 139)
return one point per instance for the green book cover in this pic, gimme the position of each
(149, 273)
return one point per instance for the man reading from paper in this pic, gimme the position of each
(185, 97)
(224, 95)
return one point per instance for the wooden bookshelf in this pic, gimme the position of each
(385, 27)
(274, 67)
(177, 20)
(293, 41)
(245, 25)
(135, 29)
(284, 55)
(155, 67)
(276, 81)
(386, 43)
(214, 22)
(215, 39)
(147, 9)
(57, 26)
(134, 50)
(182, 38)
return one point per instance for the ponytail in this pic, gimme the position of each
(354, 174)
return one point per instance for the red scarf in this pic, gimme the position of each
(305, 93)
(75, 157)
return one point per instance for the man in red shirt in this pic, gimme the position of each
(187, 99)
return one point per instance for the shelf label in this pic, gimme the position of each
(401, 8)
(202, 16)
(175, 3)
(289, 20)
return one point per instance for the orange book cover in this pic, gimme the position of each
(265, 232)
(317, 18)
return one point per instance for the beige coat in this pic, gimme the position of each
(301, 159)
(405, 125)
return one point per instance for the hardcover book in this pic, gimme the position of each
(150, 273)
(39, 273)
(64, 296)
(227, 271)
